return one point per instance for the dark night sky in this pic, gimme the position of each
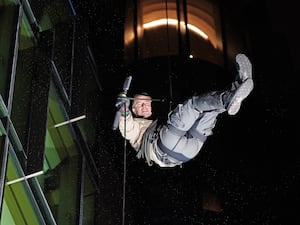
(256, 179)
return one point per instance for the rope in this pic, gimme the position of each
(169, 64)
(170, 107)
(124, 173)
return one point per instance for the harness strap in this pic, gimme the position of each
(196, 134)
(175, 155)
(149, 136)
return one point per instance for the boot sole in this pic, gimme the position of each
(244, 67)
(241, 93)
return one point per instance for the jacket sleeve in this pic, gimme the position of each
(131, 130)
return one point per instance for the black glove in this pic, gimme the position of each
(123, 104)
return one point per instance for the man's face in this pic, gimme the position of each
(142, 106)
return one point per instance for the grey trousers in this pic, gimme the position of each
(189, 124)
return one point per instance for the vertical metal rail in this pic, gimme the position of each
(81, 192)
(72, 61)
(9, 106)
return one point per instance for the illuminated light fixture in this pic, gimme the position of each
(160, 22)
(197, 31)
(70, 121)
(166, 21)
(24, 178)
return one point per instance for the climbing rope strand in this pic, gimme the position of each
(169, 64)
(124, 175)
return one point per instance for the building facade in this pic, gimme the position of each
(47, 172)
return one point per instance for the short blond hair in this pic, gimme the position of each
(139, 94)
